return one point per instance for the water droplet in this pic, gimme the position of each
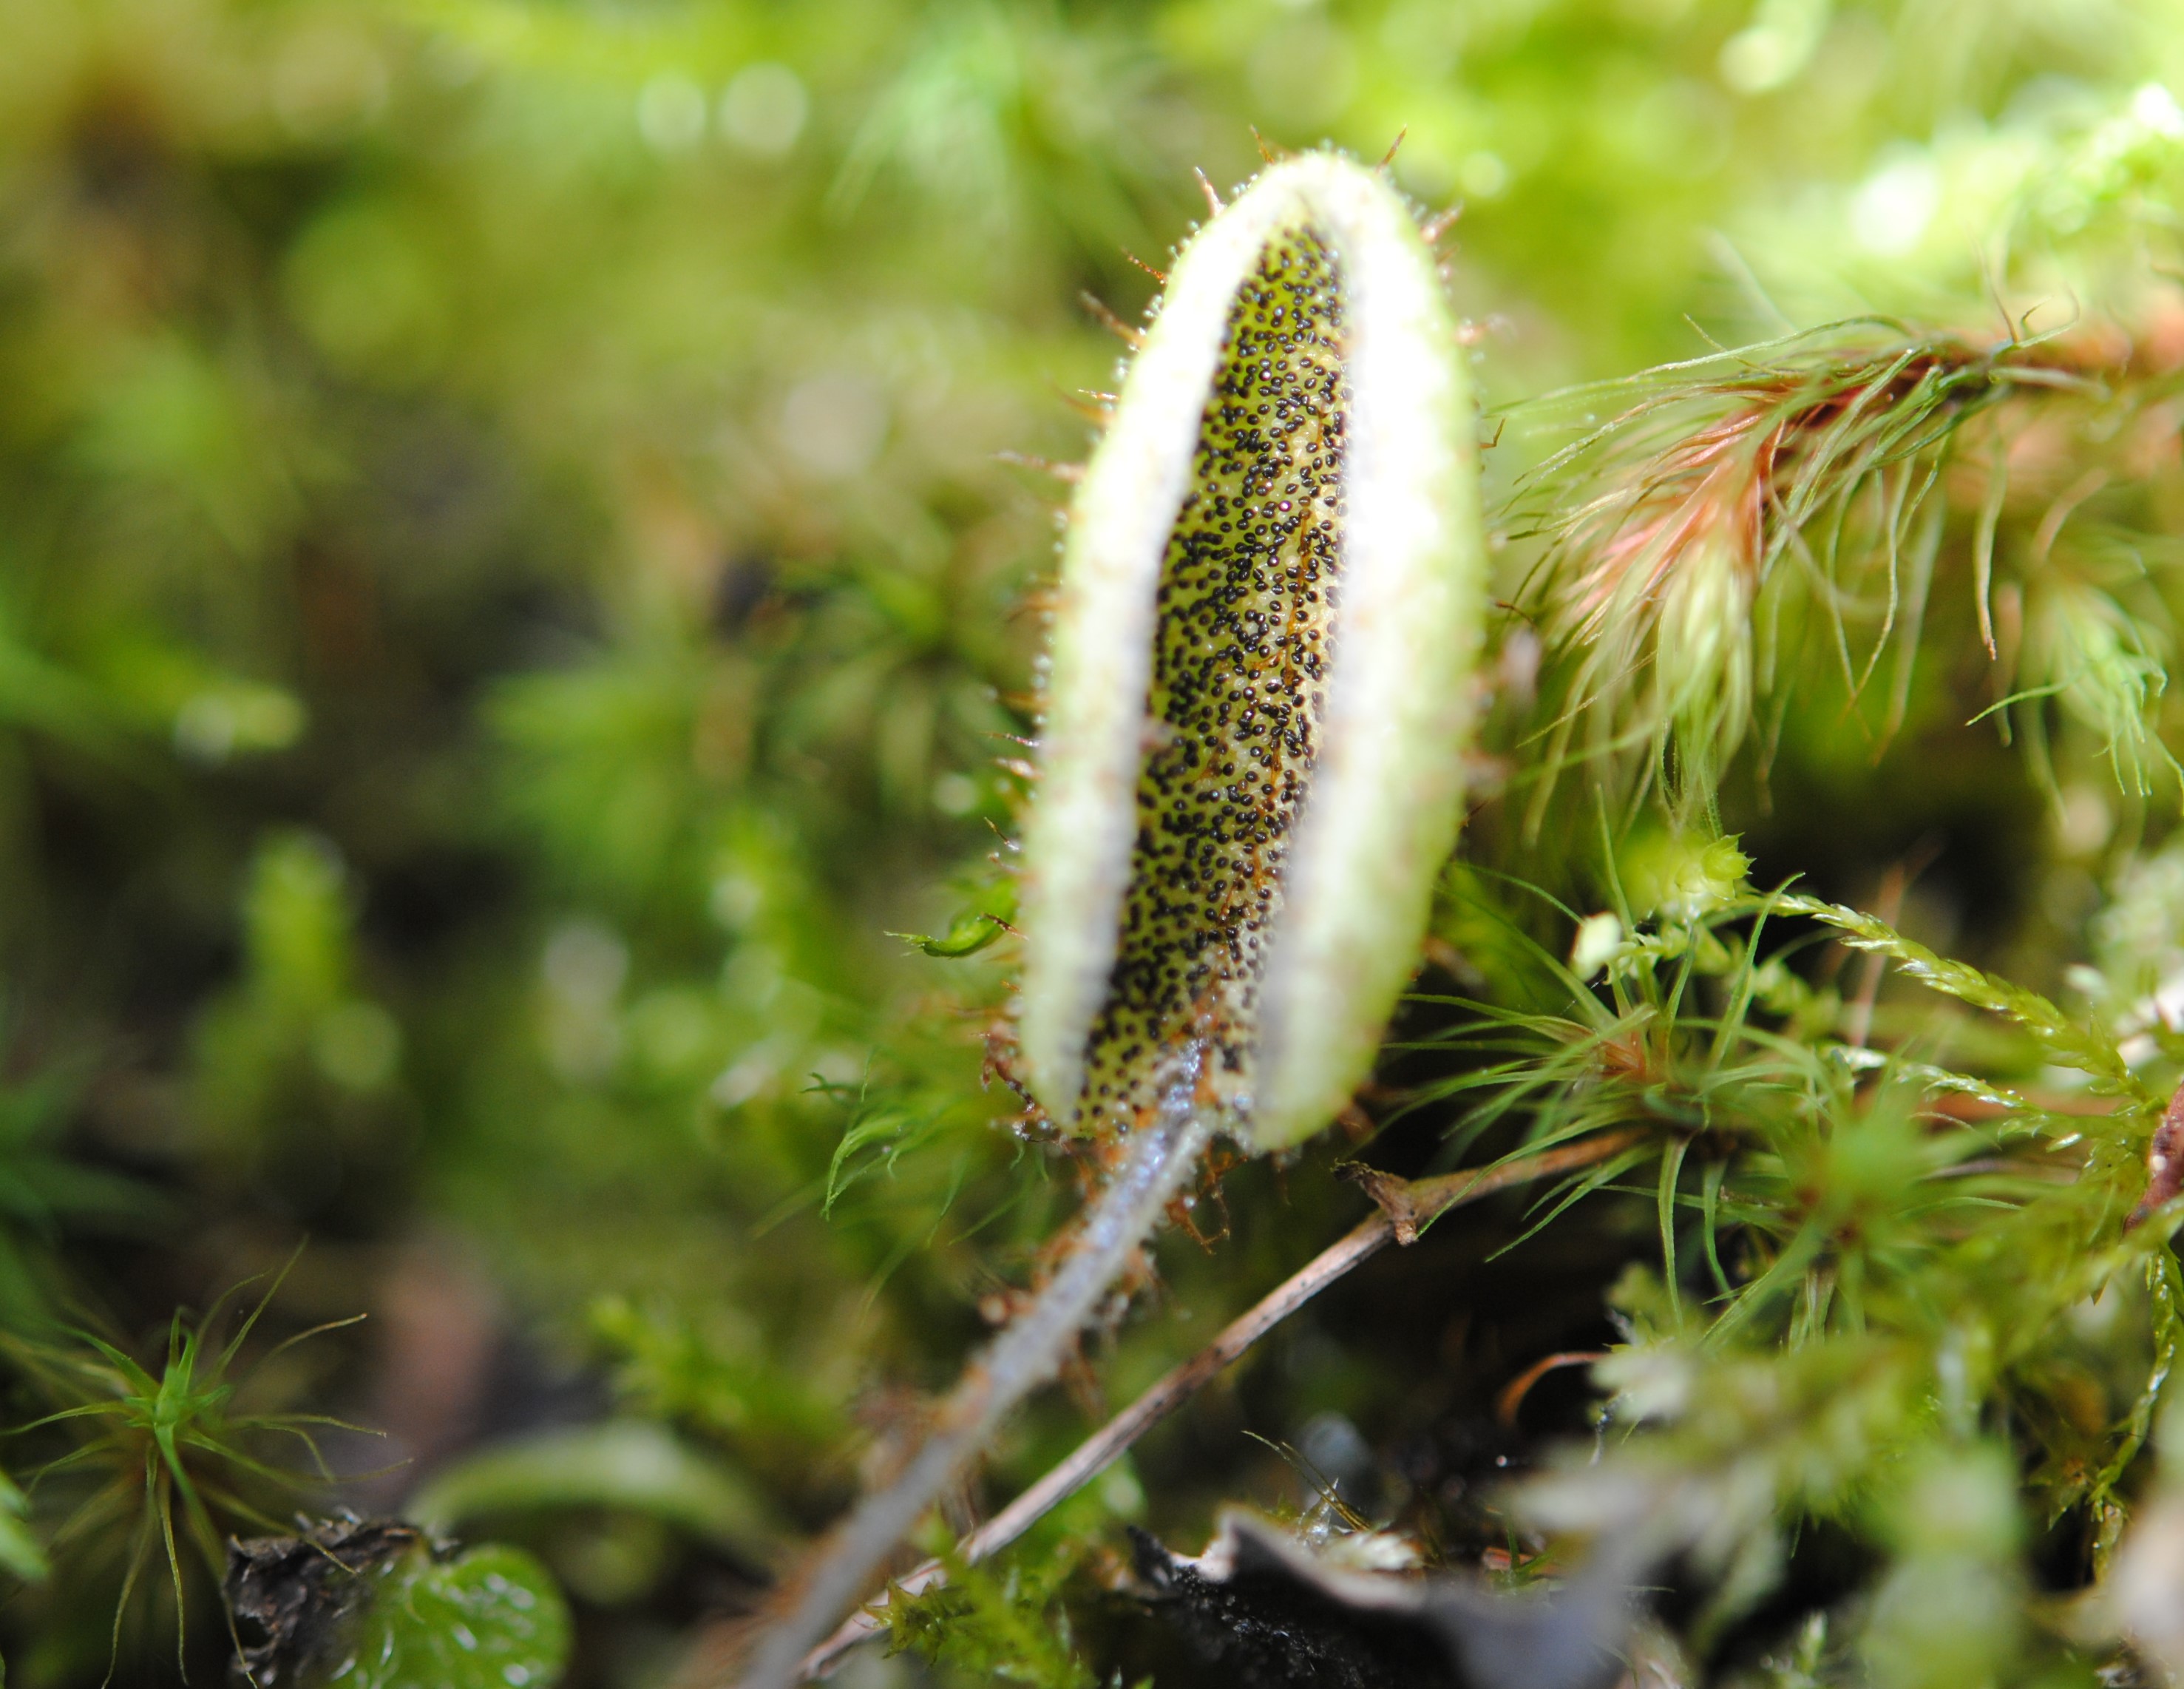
(465, 1638)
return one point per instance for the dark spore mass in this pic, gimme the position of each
(1248, 596)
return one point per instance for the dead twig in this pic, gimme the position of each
(1513, 1393)
(2165, 1162)
(1407, 1208)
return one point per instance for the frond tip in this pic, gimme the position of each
(1269, 605)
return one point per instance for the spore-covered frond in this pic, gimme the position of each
(1249, 764)
(1237, 701)
(1268, 607)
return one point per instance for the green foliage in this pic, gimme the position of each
(1900, 1263)
(710, 1382)
(966, 935)
(633, 1465)
(167, 1460)
(295, 1020)
(43, 1190)
(510, 596)
(21, 1554)
(391, 1608)
(2064, 1040)
(486, 1618)
(985, 1625)
(1949, 1610)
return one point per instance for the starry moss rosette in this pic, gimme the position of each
(1266, 623)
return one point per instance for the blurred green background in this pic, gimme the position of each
(513, 583)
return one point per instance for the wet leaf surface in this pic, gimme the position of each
(376, 1605)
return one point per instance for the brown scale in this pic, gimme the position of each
(1247, 600)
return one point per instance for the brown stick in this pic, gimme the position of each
(1406, 1209)
(2165, 1162)
(1857, 1019)
(1513, 1393)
